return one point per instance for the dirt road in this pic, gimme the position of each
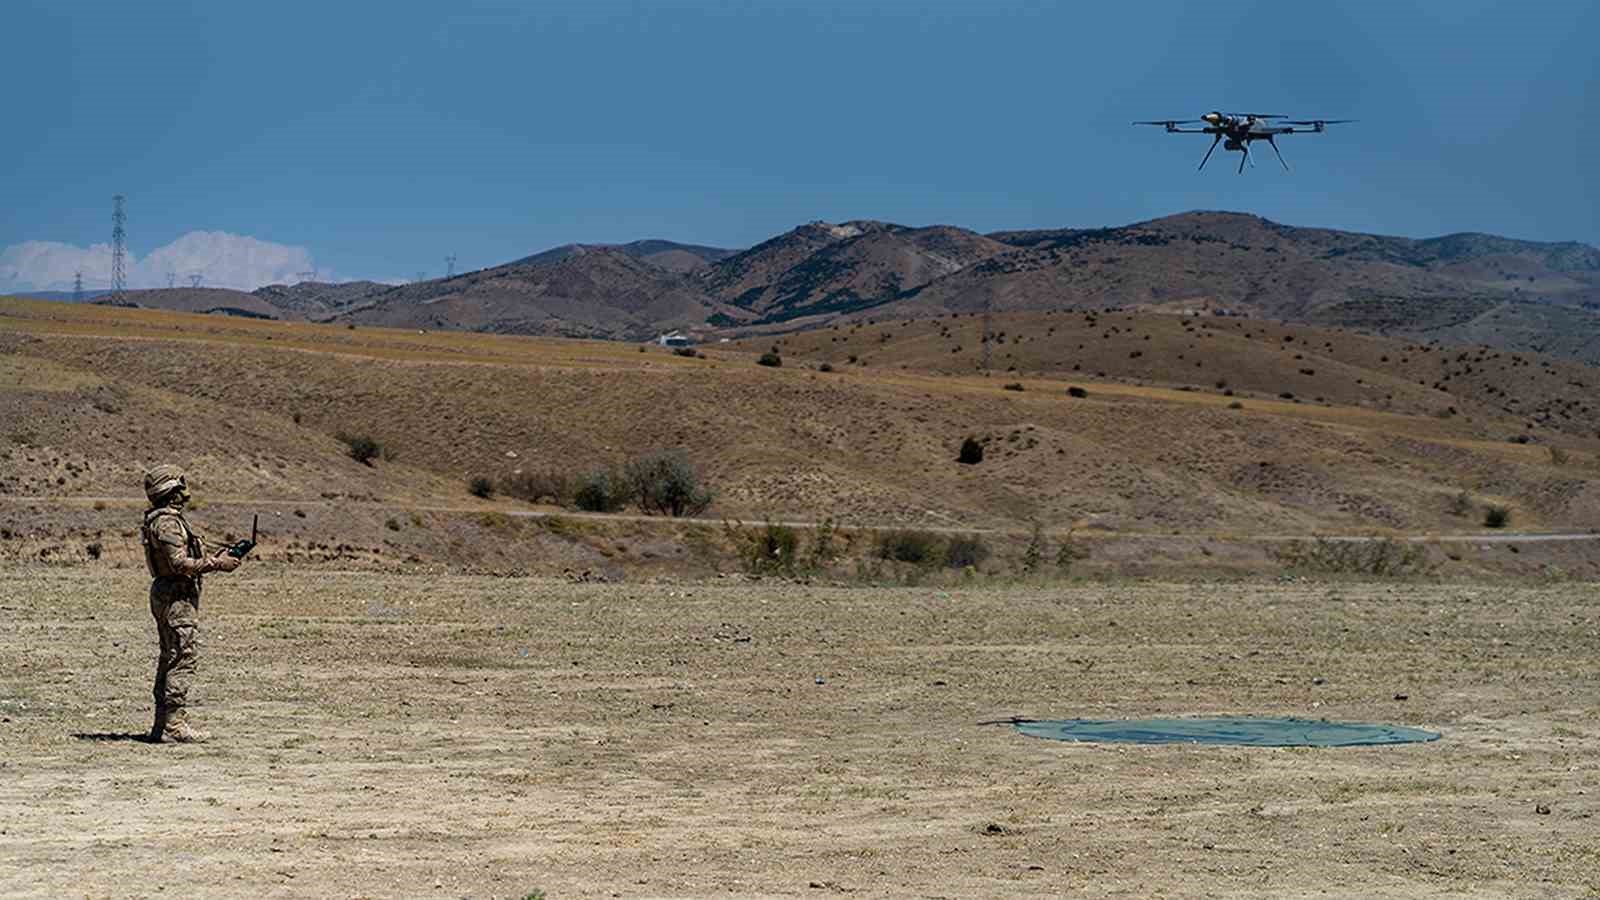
(405, 736)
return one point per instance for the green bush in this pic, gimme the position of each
(665, 483)
(1078, 392)
(602, 490)
(362, 448)
(971, 452)
(964, 550)
(909, 546)
(542, 486)
(1496, 517)
(481, 486)
(770, 359)
(771, 548)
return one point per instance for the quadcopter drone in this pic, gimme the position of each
(1237, 130)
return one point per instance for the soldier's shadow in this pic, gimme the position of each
(112, 737)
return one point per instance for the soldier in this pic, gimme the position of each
(176, 560)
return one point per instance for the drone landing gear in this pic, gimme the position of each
(1245, 146)
(1208, 152)
(1278, 152)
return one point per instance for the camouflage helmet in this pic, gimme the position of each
(163, 480)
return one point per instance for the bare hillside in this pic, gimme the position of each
(871, 442)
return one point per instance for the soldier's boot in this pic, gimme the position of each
(159, 727)
(184, 733)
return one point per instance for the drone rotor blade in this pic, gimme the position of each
(1278, 152)
(1208, 152)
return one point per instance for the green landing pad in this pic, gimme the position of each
(1246, 731)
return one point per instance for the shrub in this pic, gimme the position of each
(1078, 392)
(770, 358)
(94, 550)
(908, 546)
(666, 483)
(964, 550)
(823, 548)
(481, 487)
(362, 448)
(1496, 517)
(684, 351)
(1462, 504)
(1558, 456)
(1236, 405)
(825, 367)
(1070, 552)
(771, 548)
(1370, 556)
(602, 490)
(1035, 550)
(538, 487)
(1014, 386)
(392, 523)
(971, 452)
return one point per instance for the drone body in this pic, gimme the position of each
(1236, 130)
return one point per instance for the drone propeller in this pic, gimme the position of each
(1172, 122)
(1318, 124)
(1258, 115)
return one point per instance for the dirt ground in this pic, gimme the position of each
(405, 735)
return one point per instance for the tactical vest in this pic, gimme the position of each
(156, 561)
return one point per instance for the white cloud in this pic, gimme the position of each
(220, 259)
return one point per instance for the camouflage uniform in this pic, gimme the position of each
(176, 561)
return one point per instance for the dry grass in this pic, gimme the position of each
(396, 736)
(866, 445)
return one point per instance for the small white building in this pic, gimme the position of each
(675, 339)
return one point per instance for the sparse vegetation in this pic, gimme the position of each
(1558, 456)
(1384, 556)
(666, 483)
(688, 352)
(1077, 392)
(921, 548)
(1014, 386)
(971, 452)
(1496, 516)
(1461, 504)
(965, 550)
(1033, 555)
(539, 486)
(481, 487)
(769, 549)
(602, 490)
(770, 358)
(362, 448)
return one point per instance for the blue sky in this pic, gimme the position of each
(372, 139)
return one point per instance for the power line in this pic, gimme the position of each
(194, 279)
(119, 247)
(77, 288)
(172, 278)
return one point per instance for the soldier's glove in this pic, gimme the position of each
(223, 562)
